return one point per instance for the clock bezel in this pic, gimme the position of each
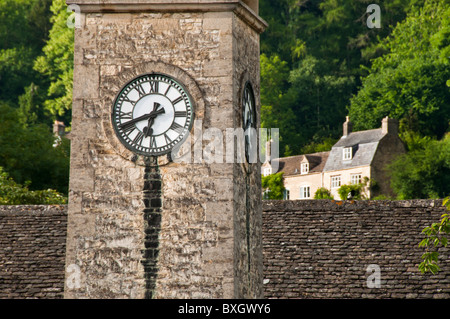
(184, 134)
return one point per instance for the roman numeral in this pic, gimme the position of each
(176, 127)
(138, 139)
(125, 115)
(154, 86)
(178, 100)
(180, 113)
(168, 140)
(140, 90)
(127, 99)
(167, 91)
(152, 142)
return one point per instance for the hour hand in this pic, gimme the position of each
(148, 130)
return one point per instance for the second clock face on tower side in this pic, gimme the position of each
(249, 121)
(152, 114)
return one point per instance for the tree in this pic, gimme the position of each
(29, 153)
(24, 26)
(275, 112)
(56, 63)
(409, 81)
(273, 186)
(319, 47)
(12, 193)
(423, 172)
(436, 234)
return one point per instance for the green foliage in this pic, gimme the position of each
(273, 186)
(322, 193)
(409, 81)
(359, 190)
(436, 234)
(27, 152)
(424, 172)
(56, 63)
(324, 145)
(12, 193)
(344, 190)
(311, 57)
(23, 28)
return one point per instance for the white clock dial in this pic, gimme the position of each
(152, 114)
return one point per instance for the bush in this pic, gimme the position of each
(323, 193)
(273, 186)
(423, 172)
(356, 190)
(12, 193)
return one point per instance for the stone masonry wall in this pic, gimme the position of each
(312, 249)
(322, 249)
(32, 251)
(108, 227)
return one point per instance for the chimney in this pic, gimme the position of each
(59, 128)
(389, 126)
(268, 151)
(348, 126)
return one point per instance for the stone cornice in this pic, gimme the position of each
(166, 6)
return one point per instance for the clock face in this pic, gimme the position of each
(152, 114)
(249, 121)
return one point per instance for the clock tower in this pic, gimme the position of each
(161, 202)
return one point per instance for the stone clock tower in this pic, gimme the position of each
(151, 215)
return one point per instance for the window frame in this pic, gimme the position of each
(305, 190)
(304, 168)
(267, 171)
(336, 181)
(347, 153)
(358, 178)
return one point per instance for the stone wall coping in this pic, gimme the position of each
(348, 205)
(165, 6)
(32, 209)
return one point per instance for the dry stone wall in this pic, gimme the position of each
(329, 249)
(312, 249)
(32, 251)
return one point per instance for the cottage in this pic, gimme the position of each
(356, 156)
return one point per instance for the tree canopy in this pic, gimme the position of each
(36, 56)
(314, 55)
(409, 81)
(320, 61)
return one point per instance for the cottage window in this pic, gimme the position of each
(335, 181)
(355, 178)
(348, 153)
(267, 171)
(305, 192)
(304, 168)
(286, 194)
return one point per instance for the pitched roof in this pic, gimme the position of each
(361, 137)
(291, 165)
(364, 144)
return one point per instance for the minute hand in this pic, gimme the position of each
(143, 117)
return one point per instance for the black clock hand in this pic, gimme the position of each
(152, 114)
(147, 130)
